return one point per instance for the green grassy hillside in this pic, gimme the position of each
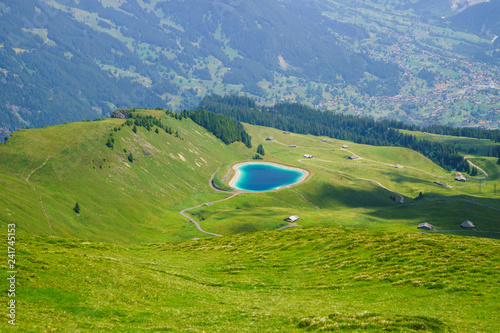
(129, 262)
(344, 192)
(467, 146)
(296, 280)
(44, 172)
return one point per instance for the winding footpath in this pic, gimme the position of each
(36, 169)
(39, 194)
(210, 203)
(183, 213)
(303, 198)
(407, 167)
(475, 166)
(392, 165)
(401, 198)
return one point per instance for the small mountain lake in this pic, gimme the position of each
(264, 176)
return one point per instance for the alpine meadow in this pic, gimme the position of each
(249, 166)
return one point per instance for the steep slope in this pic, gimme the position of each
(86, 58)
(481, 19)
(46, 171)
(131, 186)
(52, 69)
(263, 31)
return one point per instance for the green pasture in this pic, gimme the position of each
(120, 201)
(344, 192)
(127, 202)
(295, 280)
(130, 262)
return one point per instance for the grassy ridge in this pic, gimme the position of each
(44, 172)
(466, 145)
(289, 281)
(119, 200)
(114, 267)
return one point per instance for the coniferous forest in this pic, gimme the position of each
(302, 119)
(222, 126)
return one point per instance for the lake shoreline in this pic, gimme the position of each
(237, 174)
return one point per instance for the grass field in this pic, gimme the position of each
(346, 193)
(120, 201)
(44, 172)
(130, 262)
(295, 280)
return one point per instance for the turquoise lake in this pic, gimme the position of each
(257, 177)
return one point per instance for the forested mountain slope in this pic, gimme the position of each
(66, 60)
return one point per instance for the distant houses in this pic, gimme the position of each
(345, 146)
(324, 140)
(353, 157)
(292, 146)
(292, 218)
(284, 132)
(425, 226)
(459, 177)
(467, 225)
(397, 166)
(308, 156)
(270, 138)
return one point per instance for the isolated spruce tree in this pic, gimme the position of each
(134, 129)
(130, 158)
(109, 143)
(77, 208)
(260, 150)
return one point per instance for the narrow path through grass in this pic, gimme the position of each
(183, 212)
(39, 194)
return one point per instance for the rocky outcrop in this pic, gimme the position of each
(120, 113)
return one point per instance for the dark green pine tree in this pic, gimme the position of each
(134, 129)
(109, 143)
(260, 150)
(77, 208)
(130, 158)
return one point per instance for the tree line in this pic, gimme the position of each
(302, 119)
(223, 127)
(148, 122)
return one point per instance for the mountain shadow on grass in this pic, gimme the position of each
(326, 195)
(371, 322)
